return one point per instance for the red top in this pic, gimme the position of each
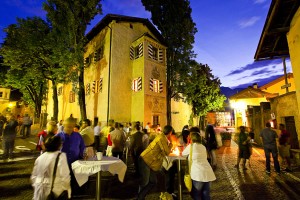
(109, 142)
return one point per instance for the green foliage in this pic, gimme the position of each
(225, 135)
(69, 19)
(202, 89)
(173, 19)
(26, 50)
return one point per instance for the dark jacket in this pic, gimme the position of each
(10, 132)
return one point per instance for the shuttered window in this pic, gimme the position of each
(97, 86)
(72, 97)
(156, 85)
(136, 52)
(137, 84)
(87, 89)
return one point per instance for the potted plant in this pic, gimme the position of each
(226, 138)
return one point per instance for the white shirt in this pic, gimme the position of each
(42, 173)
(201, 169)
(97, 130)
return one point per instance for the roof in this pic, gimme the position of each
(252, 93)
(273, 42)
(121, 18)
(289, 75)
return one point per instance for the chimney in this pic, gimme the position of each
(255, 85)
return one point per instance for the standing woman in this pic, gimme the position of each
(41, 177)
(201, 172)
(210, 136)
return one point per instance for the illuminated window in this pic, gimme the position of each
(156, 85)
(137, 84)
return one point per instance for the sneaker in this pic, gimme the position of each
(268, 171)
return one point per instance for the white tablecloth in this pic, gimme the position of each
(168, 161)
(83, 169)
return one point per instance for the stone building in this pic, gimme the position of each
(280, 39)
(125, 74)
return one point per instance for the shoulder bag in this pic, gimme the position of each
(64, 194)
(187, 177)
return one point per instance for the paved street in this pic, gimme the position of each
(231, 183)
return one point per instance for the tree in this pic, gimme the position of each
(173, 19)
(69, 19)
(29, 46)
(202, 91)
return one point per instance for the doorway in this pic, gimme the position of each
(291, 128)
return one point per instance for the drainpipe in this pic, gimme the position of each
(285, 75)
(109, 66)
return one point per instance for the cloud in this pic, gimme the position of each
(262, 72)
(259, 1)
(255, 65)
(248, 22)
(260, 81)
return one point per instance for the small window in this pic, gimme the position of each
(155, 85)
(87, 89)
(131, 26)
(137, 84)
(1, 94)
(72, 97)
(155, 53)
(59, 91)
(98, 55)
(136, 52)
(155, 120)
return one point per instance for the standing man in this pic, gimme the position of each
(27, 122)
(284, 147)
(97, 130)
(118, 141)
(151, 161)
(73, 146)
(268, 137)
(87, 133)
(9, 136)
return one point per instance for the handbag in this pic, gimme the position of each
(187, 177)
(64, 194)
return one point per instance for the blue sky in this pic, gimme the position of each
(227, 38)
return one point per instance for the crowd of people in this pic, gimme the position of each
(63, 143)
(148, 152)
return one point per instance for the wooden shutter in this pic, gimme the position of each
(140, 48)
(160, 86)
(160, 55)
(151, 84)
(87, 89)
(131, 52)
(94, 87)
(139, 84)
(150, 51)
(100, 85)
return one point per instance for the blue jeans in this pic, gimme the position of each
(148, 179)
(274, 152)
(200, 190)
(8, 148)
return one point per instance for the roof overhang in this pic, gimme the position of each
(121, 18)
(273, 41)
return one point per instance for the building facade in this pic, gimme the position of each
(125, 74)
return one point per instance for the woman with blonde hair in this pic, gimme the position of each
(51, 130)
(201, 172)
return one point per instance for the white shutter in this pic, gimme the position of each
(140, 48)
(94, 87)
(150, 51)
(160, 86)
(160, 55)
(131, 53)
(151, 84)
(139, 84)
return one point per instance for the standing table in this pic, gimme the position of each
(82, 169)
(170, 159)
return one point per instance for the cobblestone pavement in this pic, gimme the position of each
(231, 183)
